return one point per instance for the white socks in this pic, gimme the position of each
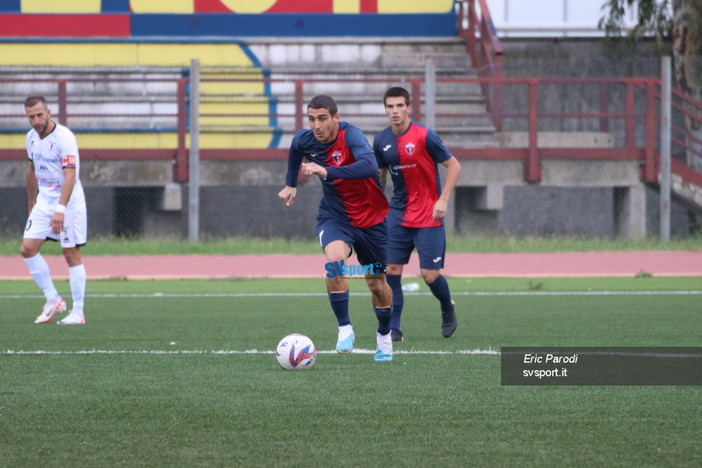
(76, 275)
(345, 331)
(39, 270)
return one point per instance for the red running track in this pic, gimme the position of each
(575, 264)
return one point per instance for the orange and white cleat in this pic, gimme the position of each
(50, 309)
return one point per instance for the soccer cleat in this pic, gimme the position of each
(448, 321)
(396, 335)
(73, 318)
(346, 338)
(50, 309)
(383, 349)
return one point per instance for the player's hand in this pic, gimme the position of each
(57, 223)
(287, 195)
(439, 211)
(313, 168)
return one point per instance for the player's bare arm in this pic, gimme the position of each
(287, 195)
(383, 177)
(69, 181)
(454, 170)
(313, 168)
(32, 186)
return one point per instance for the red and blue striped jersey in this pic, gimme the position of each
(412, 159)
(351, 189)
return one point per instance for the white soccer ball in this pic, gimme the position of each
(296, 352)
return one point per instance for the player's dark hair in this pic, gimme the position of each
(324, 102)
(396, 91)
(32, 101)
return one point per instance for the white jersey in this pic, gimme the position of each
(51, 155)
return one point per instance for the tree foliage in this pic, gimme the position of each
(652, 19)
(680, 22)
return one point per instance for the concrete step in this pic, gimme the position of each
(347, 54)
(689, 194)
(418, 60)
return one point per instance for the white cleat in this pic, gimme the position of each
(50, 309)
(383, 349)
(73, 318)
(346, 338)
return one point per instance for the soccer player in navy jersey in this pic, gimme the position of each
(351, 213)
(411, 153)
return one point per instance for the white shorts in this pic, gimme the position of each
(75, 225)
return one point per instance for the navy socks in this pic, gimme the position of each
(441, 291)
(398, 300)
(340, 305)
(383, 314)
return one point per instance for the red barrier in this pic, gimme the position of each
(65, 25)
(642, 91)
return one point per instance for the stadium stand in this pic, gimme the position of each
(124, 65)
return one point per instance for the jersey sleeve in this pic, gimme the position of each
(436, 147)
(294, 162)
(29, 153)
(365, 165)
(377, 144)
(69, 151)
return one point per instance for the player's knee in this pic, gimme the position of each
(27, 251)
(430, 276)
(72, 256)
(377, 286)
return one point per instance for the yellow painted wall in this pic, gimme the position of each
(166, 140)
(120, 54)
(248, 6)
(414, 6)
(347, 6)
(61, 6)
(239, 6)
(162, 6)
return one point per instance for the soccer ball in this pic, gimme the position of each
(296, 352)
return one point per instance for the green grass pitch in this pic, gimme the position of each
(181, 373)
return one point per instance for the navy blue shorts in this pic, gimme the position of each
(370, 244)
(430, 243)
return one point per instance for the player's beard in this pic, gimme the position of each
(42, 128)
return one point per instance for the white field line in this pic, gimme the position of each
(595, 352)
(322, 294)
(229, 351)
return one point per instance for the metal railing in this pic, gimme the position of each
(485, 51)
(634, 113)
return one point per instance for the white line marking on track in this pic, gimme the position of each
(158, 295)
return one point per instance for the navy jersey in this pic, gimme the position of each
(412, 159)
(351, 189)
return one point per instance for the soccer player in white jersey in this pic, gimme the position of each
(56, 209)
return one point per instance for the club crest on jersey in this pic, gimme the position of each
(409, 147)
(336, 155)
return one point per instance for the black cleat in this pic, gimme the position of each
(396, 335)
(448, 321)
